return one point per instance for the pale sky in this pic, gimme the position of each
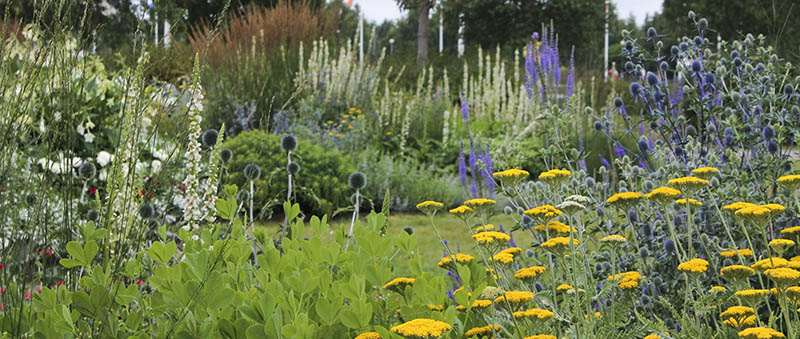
(379, 10)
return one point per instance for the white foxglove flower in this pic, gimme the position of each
(103, 158)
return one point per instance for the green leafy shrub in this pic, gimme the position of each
(321, 183)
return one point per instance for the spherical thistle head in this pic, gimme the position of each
(697, 66)
(698, 41)
(691, 15)
(669, 245)
(289, 143)
(643, 146)
(243, 196)
(87, 170)
(768, 132)
(772, 147)
(92, 215)
(734, 54)
(728, 131)
(508, 210)
(409, 230)
(691, 130)
(632, 216)
(293, 168)
(702, 24)
(629, 66)
(629, 45)
(226, 155)
(252, 172)
(357, 180)
(674, 50)
(146, 211)
(788, 89)
(679, 151)
(684, 46)
(651, 32)
(210, 137)
(30, 199)
(635, 88)
(746, 130)
(663, 66)
(598, 126)
(760, 68)
(652, 79)
(737, 62)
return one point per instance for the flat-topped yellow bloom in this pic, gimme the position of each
(541, 336)
(793, 264)
(514, 251)
(503, 258)
(624, 198)
(717, 289)
(733, 253)
(774, 262)
(791, 230)
(422, 328)
(738, 316)
(663, 194)
(739, 323)
(780, 245)
(760, 214)
(695, 266)
(792, 294)
(692, 202)
(461, 258)
(433, 307)
(480, 203)
(652, 336)
(554, 175)
(705, 172)
(783, 276)
(511, 177)
(481, 331)
(760, 333)
(554, 226)
(430, 206)
(491, 237)
(543, 213)
(534, 313)
(736, 272)
(529, 273)
(791, 181)
(484, 228)
(613, 239)
(564, 287)
(516, 298)
(462, 211)
(369, 335)
(689, 184)
(626, 280)
(752, 296)
(737, 206)
(477, 304)
(559, 244)
(399, 284)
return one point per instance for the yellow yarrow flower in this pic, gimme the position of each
(624, 199)
(692, 202)
(484, 228)
(738, 316)
(503, 258)
(554, 176)
(511, 177)
(491, 237)
(733, 253)
(399, 284)
(794, 230)
(559, 244)
(652, 336)
(792, 294)
(436, 307)
(791, 182)
(663, 194)
(564, 287)
(780, 245)
(760, 333)
(739, 323)
(614, 238)
(511, 250)
(695, 266)
(479, 304)
(422, 328)
(768, 263)
(554, 226)
(737, 206)
(462, 211)
(369, 335)
(736, 272)
(543, 213)
(534, 313)
(689, 184)
(716, 289)
(783, 276)
(481, 331)
(752, 296)
(760, 214)
(528, 273)
(429, 206)
(541, 336)
(705, 172)
(515, 298)
(460, 258)
(626, 280)
(480, 203)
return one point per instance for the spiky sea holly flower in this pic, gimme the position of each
(422, 328)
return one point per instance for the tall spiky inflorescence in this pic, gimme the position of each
(198, 199)
(571, 74)
(531, 73)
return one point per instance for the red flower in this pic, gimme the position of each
(138, 282)
(28, 296)
(1, 307)
(1, 266)
(48, 252)
(92, 190)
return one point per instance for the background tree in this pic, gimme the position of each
(423, 9)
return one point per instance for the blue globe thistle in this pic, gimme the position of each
(728, 141)
(710, 78)
(652, 79)
(600, 212)
(646, 230)
(529, 253)
(632, 216)
(644, 252)
(663, 66)
(629, 66)
(691, 130)
(539, 286)
(684, 46)
(674, 50)
(526, 221)
(653, 125)
(669, 246)
(87, 170)
(252, 172)
(702, 24)
(629, 45)
(772, 147)
(92, 215)
(643, 146)
(209, 137)
(226, 155)
(728, 131)
(737, 62)
(590, 182)
(598, 126)
(651, 32)
(788, 89)
(764, 80)
(357, 180)
(618, 102)
(146, 211)
(659, 96)
(289, 143)
(734, 54)
(635, 88)
(698, 41)
(697, 66)
(746, 130)
(768, 132)
(508, 210)
(760, 68)
(293, 167)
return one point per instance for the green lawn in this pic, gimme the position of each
(452, 229)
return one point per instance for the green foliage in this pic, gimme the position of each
(321, 182)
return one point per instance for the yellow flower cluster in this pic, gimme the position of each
(460, 258)
(696, 266)
(461, 211)
(490, 237)
(689, 184)
(480, 303)
(399, 283)
(369, 335)
(626, 280)
(480, 203)
(528, 273)
(558, 244)
(624, 198)
(481, 331)
(564, 287)
(733, 253)
(543, 213)
(792, 294)
(436, 307)
(774, 262)
(783, 276)
(781, 245)
(791, 230)
(613, 239)
(541, 336)
(511, 250)
(733, 207)
(511, 177)
(429, 206)
(705, 172)
(663, 194)
(652, 336)
(736, 272)
(791, 181)
(760, 333)
(691, 202)
(718, 289)
(738, 316)
(534, 313)
(503, 258)
(515, 297)
(554, 175)
(554, 226)
(740, 322)
(422, 328)
(759, 214)
(752, 296)
(484, 228)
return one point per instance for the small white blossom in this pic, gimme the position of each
(103, 158)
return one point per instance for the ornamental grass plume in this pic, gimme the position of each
(482, 331)
(663, 195)
(760, 333)
(736, 272)
(626, 280)
(422, 328)
(450, 261)
(529, 273)
(734, 253)
(511, 177)
(694, 266)
(705, 172)
(689, 184)
(430, 207)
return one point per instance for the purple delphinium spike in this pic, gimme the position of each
(488, 172)
(462, 166)
(531, 75)
(464, 108)
(619, 151)
(473, 168)
(571, 74)
(604, 162)
(556, 64)
(641, 129)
